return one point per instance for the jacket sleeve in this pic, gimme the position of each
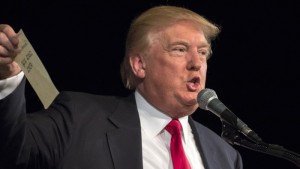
(33, 140)
(12, 125)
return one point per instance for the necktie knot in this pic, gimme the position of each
(174, 127)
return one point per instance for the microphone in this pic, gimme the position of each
(208, 100)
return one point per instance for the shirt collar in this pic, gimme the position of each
(154, 121)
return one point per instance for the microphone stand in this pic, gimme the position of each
(233, 136)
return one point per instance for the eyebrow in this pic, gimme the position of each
(181, 42)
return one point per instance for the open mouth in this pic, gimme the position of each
(193, 84)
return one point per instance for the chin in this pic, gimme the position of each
(191, 101)
(191, 107)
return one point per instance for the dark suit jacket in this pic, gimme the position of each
(86, 131)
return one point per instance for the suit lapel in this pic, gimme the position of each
(200, 142)
(125, 142)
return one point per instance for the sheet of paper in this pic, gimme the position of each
(35, 72)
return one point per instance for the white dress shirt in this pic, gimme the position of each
(156, 140)
(8, 85)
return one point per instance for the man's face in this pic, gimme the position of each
(175, 69)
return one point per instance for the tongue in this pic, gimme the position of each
(192, 86)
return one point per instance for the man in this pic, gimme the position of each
(165, 63)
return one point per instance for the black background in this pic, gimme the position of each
(254, 68)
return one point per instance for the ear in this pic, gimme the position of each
(138, 65)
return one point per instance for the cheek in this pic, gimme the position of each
(167, 76)
(203, 69)
(203, 72)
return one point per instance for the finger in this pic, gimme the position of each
(5, 42)
(5, 60)
(4, 53)
(10, 34)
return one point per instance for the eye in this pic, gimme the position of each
(203, 52)
(179, 49)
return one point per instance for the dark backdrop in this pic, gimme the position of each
(254, 68)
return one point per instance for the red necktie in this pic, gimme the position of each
(177, 152)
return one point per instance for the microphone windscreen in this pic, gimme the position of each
(205, 96)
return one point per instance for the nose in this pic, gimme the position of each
(194, 61)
